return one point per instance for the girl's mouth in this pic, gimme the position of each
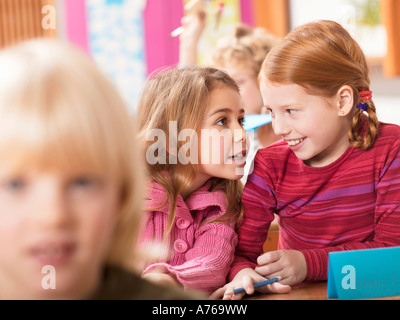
(239, 157)
(53, 253)
(294, 142)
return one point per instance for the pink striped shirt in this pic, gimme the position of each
(353, 203)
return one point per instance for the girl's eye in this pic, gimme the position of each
(16, 184)
(84, 182)
(221, 122)
(291, 111)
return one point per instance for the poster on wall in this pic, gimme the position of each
(116, 42)
(221, 18)
(130, 39)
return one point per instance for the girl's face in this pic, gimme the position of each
(53, 218)
(249, 88)
(311, 125)
(222, 138)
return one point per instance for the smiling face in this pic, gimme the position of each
(312, 125)
(222, 137)
(57, 218)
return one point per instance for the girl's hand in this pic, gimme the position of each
(288, 264)
(245, 279)
(193, 26)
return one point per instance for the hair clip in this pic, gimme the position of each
(364, 96)
(362, 106)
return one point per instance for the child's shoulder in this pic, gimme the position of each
(388, 130)
(388, 138)
(153, 188)
(155, 197)
(206, 196)
(200, 199)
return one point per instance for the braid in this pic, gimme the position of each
(360, 139)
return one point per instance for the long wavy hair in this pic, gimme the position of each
(322, 57)
(181, 95)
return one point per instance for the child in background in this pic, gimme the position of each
(70, 180)
(334, 178)
(192, 206)
(241, 54)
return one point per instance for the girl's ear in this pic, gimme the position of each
(345, 100)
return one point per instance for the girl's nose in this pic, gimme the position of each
(51, 209)
(239, 135)
(280, 127)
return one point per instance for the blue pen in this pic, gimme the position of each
(257, 285)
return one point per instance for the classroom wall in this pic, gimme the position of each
(115, 40)
(372, 39)
(22, 19)
(129, 39)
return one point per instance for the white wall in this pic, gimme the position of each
(372, 40)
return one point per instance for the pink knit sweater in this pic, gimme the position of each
(200, 254)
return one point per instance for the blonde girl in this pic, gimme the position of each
(70, 179)
(192, 205)
(333, 179)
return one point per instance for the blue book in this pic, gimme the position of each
(361, 274)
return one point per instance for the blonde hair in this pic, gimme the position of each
(246, 46)
(322, 57)
(57, 110)
(181, 95)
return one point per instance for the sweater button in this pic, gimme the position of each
(182, 223)
(180, 246)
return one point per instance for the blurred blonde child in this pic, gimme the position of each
(70, 180)
(193, 201)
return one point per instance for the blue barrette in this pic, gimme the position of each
(362, 106)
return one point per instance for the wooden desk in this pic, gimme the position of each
(310, 291)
